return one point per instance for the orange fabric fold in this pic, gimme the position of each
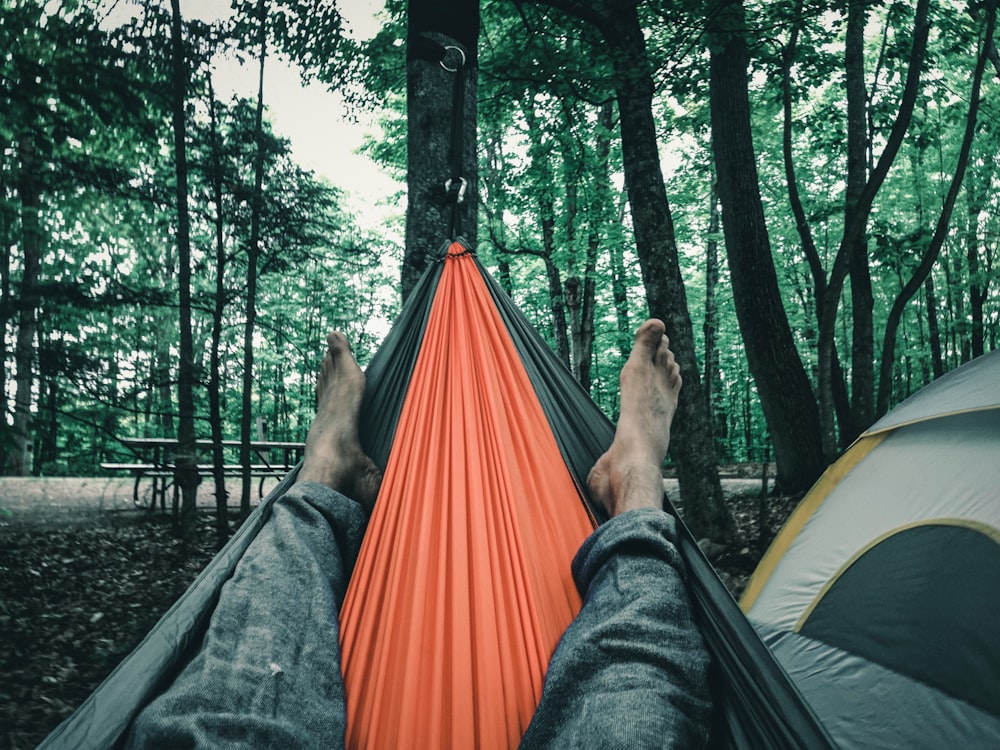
(463, 586)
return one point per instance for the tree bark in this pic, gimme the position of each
(978, 285)
(941, 229)
(862, 346)
(841, 399)
(782, 383)
(711, 325)
(186, 460)
(7, 242)
(692, 446)
(583, 348)
(933, 328)
(20, 458)
(218, 312)
(539, 156)
(253, 254)
(855, 227)
(619, 296)
(432, 215)
(557, 307)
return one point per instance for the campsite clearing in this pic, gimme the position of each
(84, 575)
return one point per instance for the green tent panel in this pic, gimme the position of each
(881, 595)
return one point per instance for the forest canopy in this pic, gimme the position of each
(830, 170)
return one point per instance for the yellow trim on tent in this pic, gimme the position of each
(991, 532)
(805, 510)
(929, 418)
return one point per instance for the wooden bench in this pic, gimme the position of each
(154, 471)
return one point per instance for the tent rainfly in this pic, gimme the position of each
(881, 595)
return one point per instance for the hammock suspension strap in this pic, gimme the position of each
(453, 60)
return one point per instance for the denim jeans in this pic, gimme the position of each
(629, 672)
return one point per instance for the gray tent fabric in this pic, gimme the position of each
(866, 705)
(974, 386)
(881, 595)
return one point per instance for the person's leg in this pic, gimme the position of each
(631, 670)
(267, 673)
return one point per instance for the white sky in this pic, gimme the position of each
(315, 120)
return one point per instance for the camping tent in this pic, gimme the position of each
(881, 595)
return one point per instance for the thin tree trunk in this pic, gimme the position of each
(48, 450)
(6, 301)
(619, 296)
(977, 285)
(786, 395)
(693, 447)
(20, 457)
(47, 419)
(855, 228)
(841, 399)
(218, 311)
(253, 253)
(186, 460)
(557, 306)
(584, 348)
(862, 348)
(162, 394)
(711, 325)
(961, 347)
(941, 230)
(933, 328)
(540, 160)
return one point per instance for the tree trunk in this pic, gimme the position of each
(253, 253)
(933, 328)
(6, 302)
(218, 312)
(782, 383)
(574, 304)
(434, 86)
(840, 398)
(161, 393)
(556, 299)
(941, 229)
(619, 296)
(692, 446)
(862, 348)
(711, 325)
(977, 281)
(855, 228)
(20, 457)
(186, 460)
(583, 347)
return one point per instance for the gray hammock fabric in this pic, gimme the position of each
(756, 704)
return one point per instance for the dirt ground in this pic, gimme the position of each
(84, 575)
(58, 502)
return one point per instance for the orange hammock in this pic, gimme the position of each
(445, 644)
(463, 585)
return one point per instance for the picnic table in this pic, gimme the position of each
(154, 466)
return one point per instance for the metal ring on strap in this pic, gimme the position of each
(460, 51)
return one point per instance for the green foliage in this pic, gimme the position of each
(107, 323)
(552, 199)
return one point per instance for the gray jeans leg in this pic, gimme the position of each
(268, 671)
(631, 670)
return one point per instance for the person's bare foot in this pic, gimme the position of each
(333, 454)
(628, 475)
